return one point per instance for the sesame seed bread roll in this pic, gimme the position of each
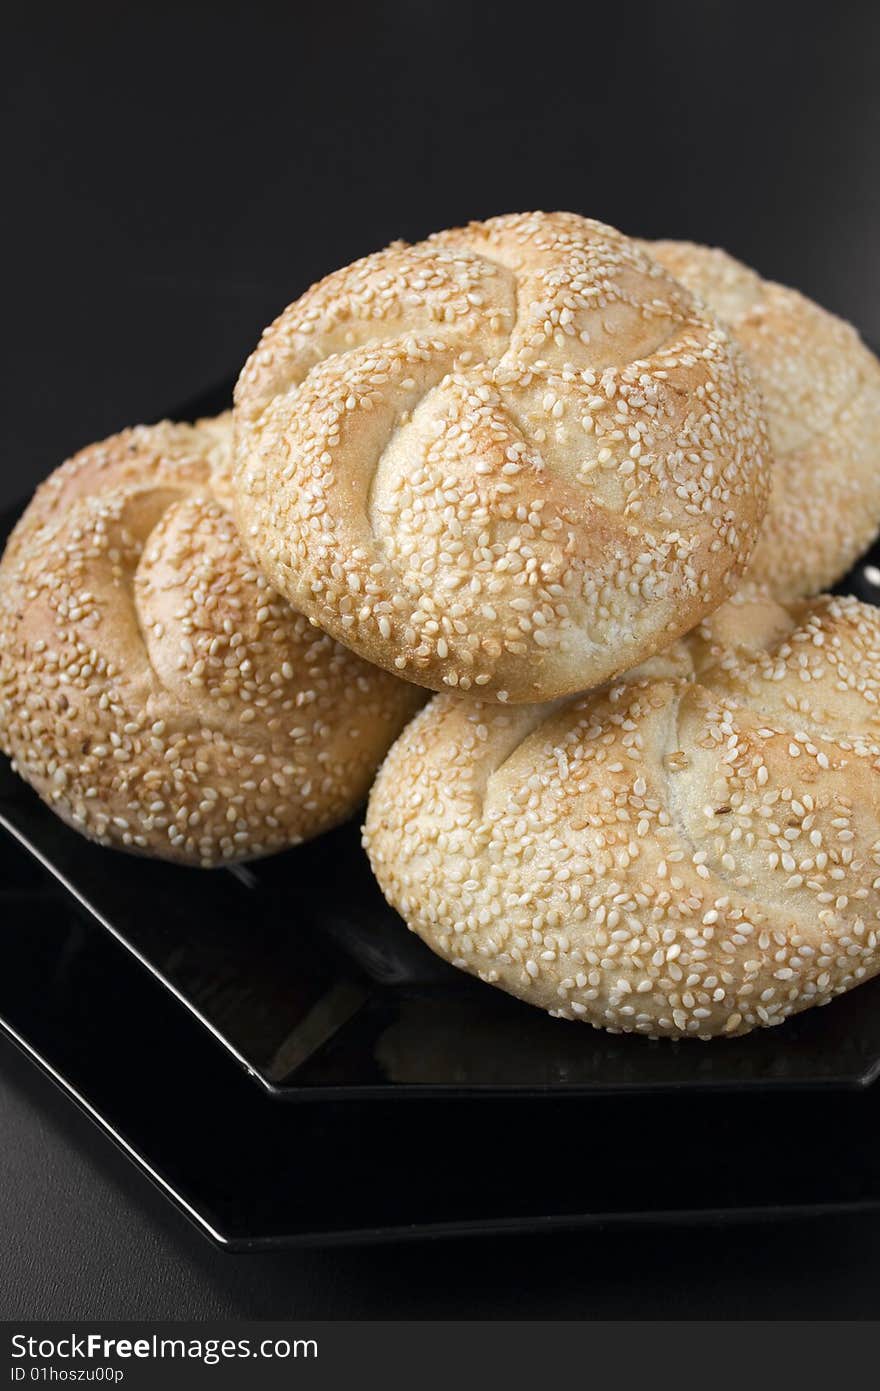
(513, 459)
(821, 390)
(154, 689)
(692, 851)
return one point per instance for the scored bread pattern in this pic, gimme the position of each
(821, 390)
(513, 459)
(692, 851)
(153, 687)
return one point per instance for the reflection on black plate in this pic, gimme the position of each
(252, 1172)
(181, 1007)
(299, 968)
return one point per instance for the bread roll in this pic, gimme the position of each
(514, 459)
(821, 388)
(153, 688)
(691, 851)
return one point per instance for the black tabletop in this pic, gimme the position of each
(177, 175)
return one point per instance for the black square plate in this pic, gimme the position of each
(184, 1008)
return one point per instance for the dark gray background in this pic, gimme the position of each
(174, 176)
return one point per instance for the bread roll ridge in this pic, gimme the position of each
(821, 389)
(154, 689)
(513, 460)
(691, 851)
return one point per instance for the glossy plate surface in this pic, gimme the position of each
(300, 971)
(252, 1172)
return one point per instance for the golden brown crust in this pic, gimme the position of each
(515, 458)
(821, 388)
(153, 688)
(692, 851)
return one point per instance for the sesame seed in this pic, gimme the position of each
(683, 901)
(184, 749)
(786, 340)
(496, 382)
